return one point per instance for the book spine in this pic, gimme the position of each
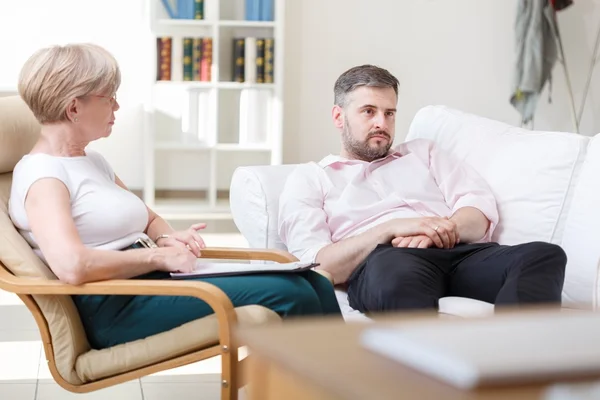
(199, 9)
(266, 10)
(196, 58)
(164, 58)
(187, 59)
(269, 60)
(252, 10)
(260, 61)
(238, 60)
(250, 60)
(169, 9)
(206, 63)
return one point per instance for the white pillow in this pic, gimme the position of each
(529, 172)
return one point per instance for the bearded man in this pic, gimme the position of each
(400, 227)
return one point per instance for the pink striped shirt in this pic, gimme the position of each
(325, 202)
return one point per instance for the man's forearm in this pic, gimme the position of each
(341, 259)
(471, 224)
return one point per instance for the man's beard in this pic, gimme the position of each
(361, 149)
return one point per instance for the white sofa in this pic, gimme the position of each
(547, 185)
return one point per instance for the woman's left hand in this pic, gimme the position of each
(188, 238)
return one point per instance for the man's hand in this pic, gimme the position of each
(414, 242)
(440, 230)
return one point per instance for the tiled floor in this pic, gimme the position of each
(24, 374)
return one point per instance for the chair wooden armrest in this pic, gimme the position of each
(230, 253)
(280, 256)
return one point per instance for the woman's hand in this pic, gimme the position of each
(188, 238)
(175, 259)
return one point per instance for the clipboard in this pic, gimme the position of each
(210, 270)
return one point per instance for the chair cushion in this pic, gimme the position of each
(19, 131)
(189, 337)
(66, 330)
(530, 172)
(580, 239)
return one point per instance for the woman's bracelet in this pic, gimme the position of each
(161, 237)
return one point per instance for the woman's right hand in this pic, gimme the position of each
(442, 231)
(175, 259)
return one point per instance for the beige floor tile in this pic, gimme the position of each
(181, 391)
(204, 371)
(19, 335)
(17, 391)
(126, 391)
(24, 362)
(16, 317)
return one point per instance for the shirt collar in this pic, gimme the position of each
(336, 159)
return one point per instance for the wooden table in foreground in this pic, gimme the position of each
(322, 360)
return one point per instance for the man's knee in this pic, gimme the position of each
(550, 256)
(405, 283)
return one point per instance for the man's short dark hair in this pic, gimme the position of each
(362, 75)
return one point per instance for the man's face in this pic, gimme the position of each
(368, 122)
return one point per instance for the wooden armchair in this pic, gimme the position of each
(73, 363)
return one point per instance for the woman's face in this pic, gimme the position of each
(96, 115)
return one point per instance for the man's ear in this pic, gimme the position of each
(337, 113)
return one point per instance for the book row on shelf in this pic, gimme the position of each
(254, 10)
(253, 59)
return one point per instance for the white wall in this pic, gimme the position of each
(458, 53)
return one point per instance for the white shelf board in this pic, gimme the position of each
(247, 24)
(189, 209)
(173, 22)
(244, 85)
(174, 145)
(190, 23)
(218, 85)
(190, 146)
(242, 147)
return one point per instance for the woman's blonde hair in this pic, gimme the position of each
(52, 77)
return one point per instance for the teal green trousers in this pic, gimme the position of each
(110, 320)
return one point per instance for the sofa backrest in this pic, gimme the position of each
(19, 131)
(532, 173)
(545, 182)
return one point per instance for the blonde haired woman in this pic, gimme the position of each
(81, 219)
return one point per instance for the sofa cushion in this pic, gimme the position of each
(530, 172)
(254, 202)
(581, 235)
(189, 337)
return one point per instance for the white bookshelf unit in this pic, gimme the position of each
(196, 133)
